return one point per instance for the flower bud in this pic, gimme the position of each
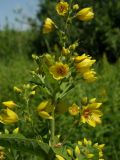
(85, 14)
(9, 104)
(48, 25)
(76, 7)
(17, 90)
(84, 101)
(65, 51)
(8, 116)
(74, 110)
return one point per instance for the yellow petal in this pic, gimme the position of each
(42, 105)
(91, 122)
(9, 104)
(77, 151)
(45, 115)
(58, 157)
(16, 130)
(69, 152)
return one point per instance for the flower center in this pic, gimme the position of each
(61, 70)
(86, 113)
(74, 109)
(62, 8)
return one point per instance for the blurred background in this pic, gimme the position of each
(21, 36)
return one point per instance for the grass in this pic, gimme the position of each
(13, 73)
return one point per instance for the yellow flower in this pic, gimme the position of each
(78, 59)
(89, 76)
(62, 8)
(85, 14)
(86, 63)
(8, 116)
(83, 64)
(74, 110)
(65, 51)
(91, 114)
(9, 104)
(48, 25)
(44, 108)
(59, 70)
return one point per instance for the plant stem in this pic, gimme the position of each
(52, 141)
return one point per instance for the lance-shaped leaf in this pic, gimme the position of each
(32, 146)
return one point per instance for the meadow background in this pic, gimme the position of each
(99, 38)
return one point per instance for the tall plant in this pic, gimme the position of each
(57, 73)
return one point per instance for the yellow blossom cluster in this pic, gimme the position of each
(83, 65)
(63, 8)
(86, 150)
(44, 108)
(89, 113)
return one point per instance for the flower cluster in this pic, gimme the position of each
(64, 9)
(89, 111)
(83, 65)
(56, 75)
(86, 150)
(44, 108)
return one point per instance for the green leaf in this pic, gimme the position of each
(32, 146)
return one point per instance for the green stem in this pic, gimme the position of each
(52, 139)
